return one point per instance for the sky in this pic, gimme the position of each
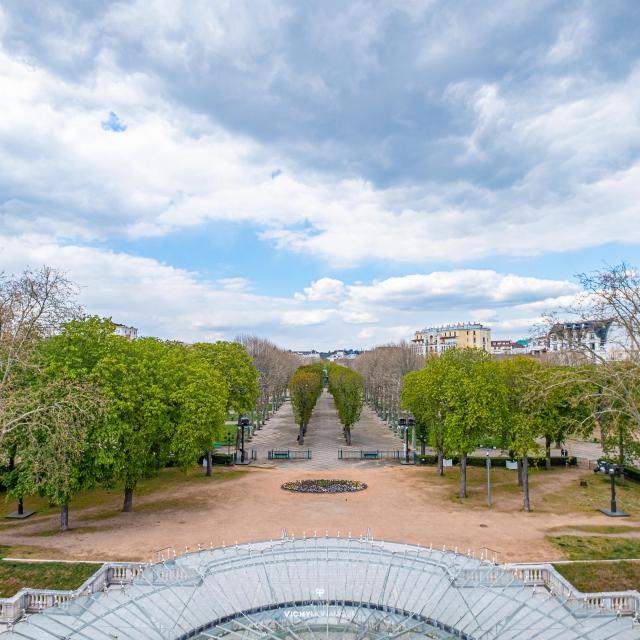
(324, 174)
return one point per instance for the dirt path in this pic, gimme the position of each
(405, 504)
(409, 504)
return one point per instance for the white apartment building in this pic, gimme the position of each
(604, 339)
(309, 356)
(463, 335)
(130, 333)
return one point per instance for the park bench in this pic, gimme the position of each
(369, 455)
(280, 455)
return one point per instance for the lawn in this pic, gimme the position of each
(597, 547)
(602, 576)
(110, 499)
(504, 484)
(41, 575)
(596, 495)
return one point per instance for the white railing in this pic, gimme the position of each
(545, 575)
(114, 574)
(33, 600)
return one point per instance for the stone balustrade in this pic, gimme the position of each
(116, 574)
(545, 575)
(110, 574)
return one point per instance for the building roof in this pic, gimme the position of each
(321, 587)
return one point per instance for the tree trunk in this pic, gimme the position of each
(440, 463)
(128, 500)
(423, 447)
(347, 435)
(520, 473)
(209, 462)
(525, 483)
(301, 435)
(463, 475)
(64, 517)
(547, 447)
(20, 506)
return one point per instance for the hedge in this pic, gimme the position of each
(632, 473)
(499, 461)
(222, 458)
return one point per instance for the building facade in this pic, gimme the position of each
(507, 348)
(130, 333)
(595, 339)
(464, 335)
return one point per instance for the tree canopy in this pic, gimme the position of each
(347, 388)
(305, 388)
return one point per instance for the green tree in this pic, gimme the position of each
(524, 417)
(236, 366)
(423, 393)
(136, 434)
(239, 374)
(200, 401)
(58, 388)
(57, 455)
(305, 388)
(475, 403)
(80, 345)
(566, 400)
(347, 388)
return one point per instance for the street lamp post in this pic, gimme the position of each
(488, 480)
(243, 423)
(613, 471)
(614, 506)
(407, 449)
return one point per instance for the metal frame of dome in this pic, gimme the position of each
(353, 587)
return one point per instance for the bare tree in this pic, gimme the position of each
(383, 370)
(601, 352)
(33, 306)
(276, 366)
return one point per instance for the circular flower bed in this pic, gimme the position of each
(324, 486)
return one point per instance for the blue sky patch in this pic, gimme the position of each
(113, 123)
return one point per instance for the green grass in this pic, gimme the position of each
(597, 547)
(597, 528)
(602, 576)
(504, 483)
(41, 575)
(596, 495)
(111, 498)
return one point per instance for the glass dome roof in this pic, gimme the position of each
(323, 587)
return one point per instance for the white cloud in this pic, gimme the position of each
(307, 318)
(174, 303)
(172, 168)
(235, 284)
(161, 300)
(462, 286)
(322, 289)
(572, 39)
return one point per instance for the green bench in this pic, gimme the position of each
(280, 455)
(370, 455)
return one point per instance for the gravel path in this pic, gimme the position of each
(324, 437)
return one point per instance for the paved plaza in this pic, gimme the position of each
(324, 437)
